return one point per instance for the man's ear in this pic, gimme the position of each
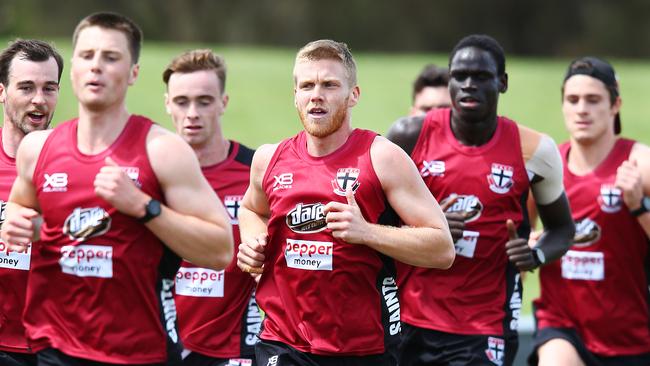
(167, 102)
(503, 83)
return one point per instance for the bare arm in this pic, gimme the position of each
(425, 242)
(194, 223)
(22, 219)
(254, 214)
(634, 178)
(552, 207)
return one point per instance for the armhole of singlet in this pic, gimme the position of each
(273, 161)
(41, 155)
(379, 191)
(424, 131)
(244, 155)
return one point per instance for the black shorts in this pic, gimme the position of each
(429, 347)
(270, 353)
(17, 359)
(197, 359)
(54, 357)
(590, 359)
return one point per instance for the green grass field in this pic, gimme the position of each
(261, 102)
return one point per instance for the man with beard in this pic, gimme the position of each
(312, 221)
(122, 200)
(218, 318)
(30, 72)
(482, 166)
(594, 307)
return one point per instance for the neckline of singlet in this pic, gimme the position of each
(470, 150)
(233, 149)
(300, 144)
(106, 152)
(612, 155)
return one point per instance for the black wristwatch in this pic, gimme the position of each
(151, 210)
(538, 256)
(645, 207)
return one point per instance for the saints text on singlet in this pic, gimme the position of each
(481, 292)
(600, 286)
(101, 282)
(217, 313)
(322, 295)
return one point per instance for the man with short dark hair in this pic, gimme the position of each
(594, 307)
(121, 201)
(30, 72)
(481, 166)
(315, 219)
(218, 318)
(430, 90)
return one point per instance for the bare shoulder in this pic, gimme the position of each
(171, 158)
(405, 132)
(389, 160)
(641, 154)
(31, 145)
(262, 158)
(163, 141)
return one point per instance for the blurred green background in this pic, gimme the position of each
(261, 110)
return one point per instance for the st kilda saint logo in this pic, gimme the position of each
(500, 178)
(346, 177)
(307, 218)
(85, 223)
(610, 198)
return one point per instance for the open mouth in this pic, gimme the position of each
(469, 102)
(36, 117)
(317, 112)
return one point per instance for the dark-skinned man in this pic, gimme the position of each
(481, 167)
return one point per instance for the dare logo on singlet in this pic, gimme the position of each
(309, 255)
(199, 282)
(232, 204)
(434, 168)
(468, 206)
(587, 232)
(307, 218)
(495, 350)
(610, 198)
(84, 223)
(346, 178)
(87, 260)
(500, 178)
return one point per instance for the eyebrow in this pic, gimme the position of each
(31, 82)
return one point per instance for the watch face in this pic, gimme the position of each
(153, 208)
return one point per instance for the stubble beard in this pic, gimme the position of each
(325, 128)
(23, 124)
